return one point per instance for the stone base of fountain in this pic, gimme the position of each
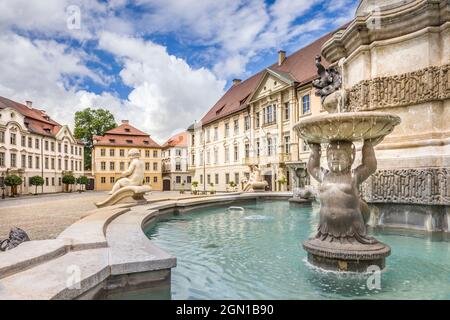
(338, 256)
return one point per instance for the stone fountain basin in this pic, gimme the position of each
(351, 126)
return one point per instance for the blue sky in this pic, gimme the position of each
(159, 64)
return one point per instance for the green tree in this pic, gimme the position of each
(36, 181)
(89, 123)
(82, 181)
(13, 181)
(68, 179)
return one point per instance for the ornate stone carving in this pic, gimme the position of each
(425, 186)
(429, 84)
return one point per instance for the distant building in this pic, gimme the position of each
(33, 144)
(175, 163)
(110, 156)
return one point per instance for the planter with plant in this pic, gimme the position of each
(232, 185)
(182, 186)
(213, 190)
(194, 187)
(36, 181)
(68, 180)
(82, 181)
(13, 181)
(282, 181)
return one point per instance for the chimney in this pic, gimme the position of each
(125, 121)
(281, 57)
(29, 103)
(236, 82)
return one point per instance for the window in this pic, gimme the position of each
(111, 166)
(306, 104)
(178, 179)
(188, 179)
(147, 166)
(247, 123)
(287, 111)
(201, 179)
(12, 139)
(155, 166)
(102, 152)
(59, 147)
(37, 162)
(208, 135)
(287, 144)
(53, 181)
(236, 177)
(147, 179)
(66, 148)
(23, 141)
(227, 154)
(147, 153)
(122, 166)
(59, 181)
(66, 165)
(258, 148)
(52, 146)
(305, 146)
(111, 180)
(269, 146)
(177, 152)
(46, 182)
(208, 157)
(30, 142)
(247, 150)
(59, 164)
(122, 152)
(103, 165)
(155, 179)
(257, 123)
(236, 153)
(227, 130)
(236, 126)
(2, 159)
(216, 178)
(155, 153)
(216, 155)
(178, 166)
(46, 145)
(46, 163)
(103, 179)
(30, 162)
(2, 137)
(208, 179)
(216, 133)
(76, 165)
(269, 114)
(23, 162)
(112, 152)
(227, 178)
(53, 164)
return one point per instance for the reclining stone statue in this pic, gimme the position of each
(131, 183)
(256, 182)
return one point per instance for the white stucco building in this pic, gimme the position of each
(175, 163)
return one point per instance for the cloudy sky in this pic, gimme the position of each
(159, 63)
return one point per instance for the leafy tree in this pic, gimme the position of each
(82, 180)
(13, 181)
(68, 179)
(36, 181)
(89, 123)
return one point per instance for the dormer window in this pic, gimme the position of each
(127, 130)
(220, 110)
(145, 142)
(129, 141)
(112, 140)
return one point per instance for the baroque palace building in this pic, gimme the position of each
(110, 156)
(33, 144)
(175, 163)
(252, 124)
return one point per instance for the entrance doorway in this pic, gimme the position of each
(166, 185)
(268, 178)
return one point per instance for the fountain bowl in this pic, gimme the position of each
(350, 126)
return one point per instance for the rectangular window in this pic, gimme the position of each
(258, 148)
(155, 179)
(37, 162)
(257, 120)
(178, 166)
(188, 179)
(208, 179)
(53, 164)
(216, 133)
(30, 162)
(30, 142)
(216, 155)
(227, 130)
(23, 162)
(227, 154)
(59, 147)
(236, 178)
(177, 152)
(147, 166)
(46, 182)
(287, 144)
(247, 150)
(147, 179)
(208, 157)
(66, 165)
(247, 123)
(155, 153)
(306, 104)
(52, 146)
(59, 164)
(46, 145)
(46, 163)
(111, 180)
(59, 181)
(236, 127)
(227, 178)
(2, 159)
(111, 166)
(305, 146)
(53, 181)
(2, 137)
(23, 141)
(36, 143)
(216, 178)
(103, 165)
(112, 152)
(236, 153)
(287, 111)
(208, 135)
(66, 148)
(269, 147)
(147, 153)
(201, 179)
(122, 166)
(102, 152)
(71, 165)
(178, 179)
(103, 179)
(122, 152)
(12, 139)
(155, 166)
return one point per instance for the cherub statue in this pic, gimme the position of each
(341, 213)
(328, 82)
(134, 175)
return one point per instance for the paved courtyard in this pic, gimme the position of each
(46, 216)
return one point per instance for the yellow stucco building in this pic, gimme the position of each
(110, 156)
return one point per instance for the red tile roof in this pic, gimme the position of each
(178, 140)
(125, 135)
(300, 66)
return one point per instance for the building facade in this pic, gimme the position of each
(33, 144)
(176, 175)
(252, 124)
(110, 156)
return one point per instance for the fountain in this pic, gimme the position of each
(341, 242)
